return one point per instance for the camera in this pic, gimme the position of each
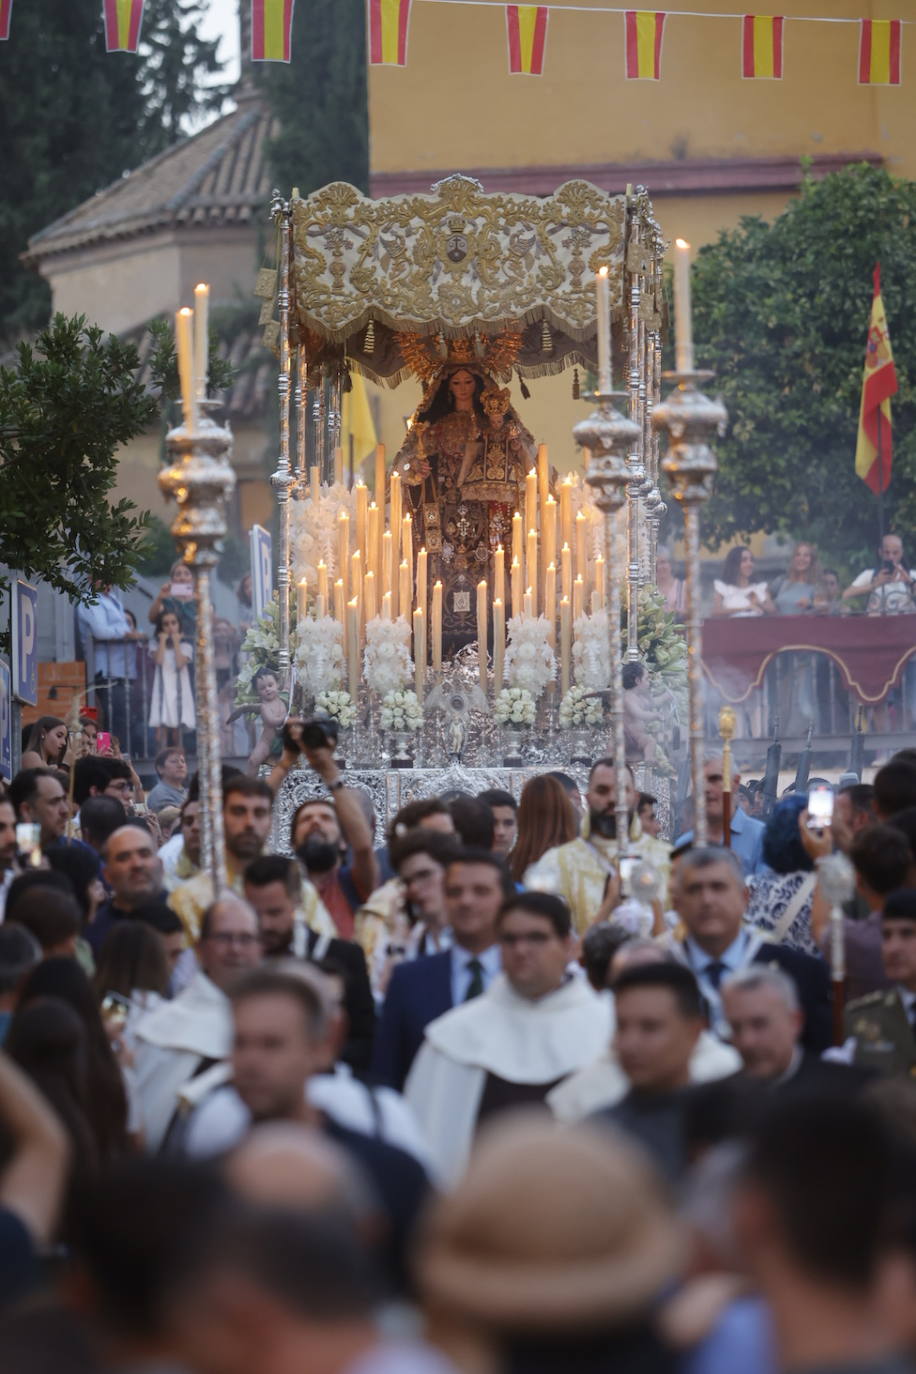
(318, 733)
(887, 566)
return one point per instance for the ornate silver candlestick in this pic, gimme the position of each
(282, 479)
(201, 479)
(607, 435)
(690, 419)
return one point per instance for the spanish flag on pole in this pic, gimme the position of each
(526, 26)
(880, 42)
(271, 30)
(874, 445)
(357, 427)
(6, 14)
(388, 23)
(644, 29)
(122, 25)
(761, 46)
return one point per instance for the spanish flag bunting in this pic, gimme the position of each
(874, 446)
(526, 26)
(880, 42)
(644, 30)
(6, 13)
(122, 25)
(271, 30)
(388, 23)
(761, 46)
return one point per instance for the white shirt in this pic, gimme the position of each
(461, 975)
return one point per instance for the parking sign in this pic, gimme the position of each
(6, 723)
(25, 643)
(262, 571)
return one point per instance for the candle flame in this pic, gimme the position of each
(682, 243)
(602, 271)
(186, 310)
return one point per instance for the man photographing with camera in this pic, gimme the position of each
(331, 837)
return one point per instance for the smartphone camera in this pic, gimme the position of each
(820, 808)
(887, 566)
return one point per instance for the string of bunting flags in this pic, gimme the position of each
(761, 46)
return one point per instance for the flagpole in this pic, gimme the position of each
(880, 482)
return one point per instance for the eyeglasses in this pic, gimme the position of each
(227, 938)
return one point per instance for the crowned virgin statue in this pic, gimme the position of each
(464, 464)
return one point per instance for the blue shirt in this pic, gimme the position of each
(746, 842)
(461, 976)
(100, 626)
(734, 958)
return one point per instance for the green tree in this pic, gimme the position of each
(320, 99)
(781, 312)
(179, 72)
(68, 407)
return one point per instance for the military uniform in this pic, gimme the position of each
(883, 1033)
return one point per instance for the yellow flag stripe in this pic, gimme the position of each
(391, 28)
(527, 19)
(645, 43)
(763, 45)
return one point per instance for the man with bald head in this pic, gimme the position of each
(181, 1039)
(133, 871)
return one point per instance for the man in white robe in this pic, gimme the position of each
(532, 1028)
(179, 1039)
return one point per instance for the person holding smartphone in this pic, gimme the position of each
(890, 586)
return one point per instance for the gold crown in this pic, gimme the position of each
(430, 356)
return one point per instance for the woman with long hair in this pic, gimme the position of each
(49, 1042)
(107, 1100)
(132, 964)
(44, 743)
(546, 818)
(794, 592)
(735, 593)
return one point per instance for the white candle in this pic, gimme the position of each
(531, 500)
(407, 556)
(683, 327)
(599, 593)
(201, 339)
(603, 321)
(395, 515)
(515, 577)
(373, 541)
(419, 650)
(566, 577)
(343, 551)
(404, 597)
(323, 581)
(353, 646)
(578, 597)
(482, 632)
(550, 601)
(386, 606)
(543, 467)
(362, 516)
(302, 599)
(315, 483)
(548, 532)
(531, 566)
(499, 642)
(499, 574)
(528, 603)
(517, 536)
(565, 645)
(340, 603)
(380, 474)
(566, 526)
(371, 596)
(437, 627)
(581, 545)
(184, 348)
(421, 580)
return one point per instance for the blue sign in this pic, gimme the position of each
(25, 643)
(6, 723)
(262, 570)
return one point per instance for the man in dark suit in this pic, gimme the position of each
(476, 884)
(273, 887)
(711, 898)
(764, 1014)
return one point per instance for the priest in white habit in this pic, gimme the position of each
(535, 1025)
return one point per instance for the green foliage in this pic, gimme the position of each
(320, 99)
(781, 311)
(164, 361)
(157, 552)
(178, 73)
(69, 406)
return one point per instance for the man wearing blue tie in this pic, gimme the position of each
(476, 885)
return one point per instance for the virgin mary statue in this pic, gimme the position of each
(463, 465)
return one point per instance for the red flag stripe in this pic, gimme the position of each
(865, 53)
(540, 40)
(896, 31)
(6, 14)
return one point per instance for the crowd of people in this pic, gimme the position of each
(495, 1094)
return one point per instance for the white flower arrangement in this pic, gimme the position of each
(338, 705)
(320, 656)
(401, 711)
(591, 656)
(514, 706)
(578, 709)
(259, 649)
(387, 665)
(530, 661)
(314, 531)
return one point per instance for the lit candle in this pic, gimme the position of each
(517, 536)
(578, 597)
(565, 645)
(515, 577)
(370, 591)
(201, 339)
(549, 531)
(499, 574)
(499, 642)
(386, 606)
(543, 467)
(437, 626)
(395, 514)
(419, 650)
(372, 538)
(421, 580)
(184, 348)
(362, 516)
(338, 464)
(531, 500)
(683, 327)
(482, 632)
(340, 601)
(550, 601)
(302, 599)
(531, 566)
(356, 584)
(603, 320)
(315, 483)
(387, 561)
(323, 581)
(566, 578)
(528, 603)
(599, 582)
(353, 646)
(320, 607)
(581, 545)
(407, 555)
(343, 551)
(380, 474)
(566, 526)
(404, 598)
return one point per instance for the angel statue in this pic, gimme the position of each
(463, 465)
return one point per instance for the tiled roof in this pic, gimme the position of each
(217, 177)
